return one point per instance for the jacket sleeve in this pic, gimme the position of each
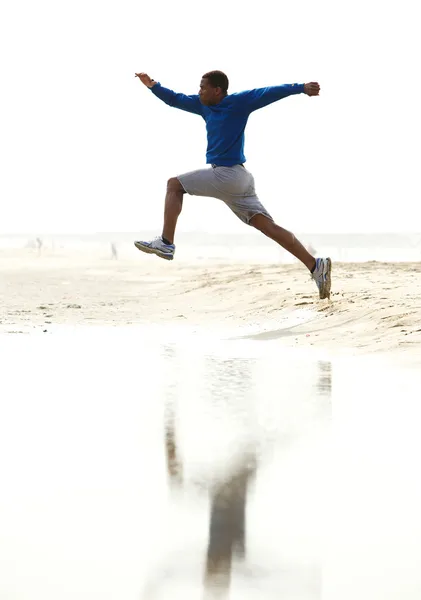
(254, 99)
(190, 104)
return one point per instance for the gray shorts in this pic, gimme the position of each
(233, 185)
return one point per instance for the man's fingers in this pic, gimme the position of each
(313, 88)
(144, 78)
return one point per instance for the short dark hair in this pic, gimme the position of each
(217, 79)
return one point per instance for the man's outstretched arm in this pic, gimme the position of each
(188, 103)
(258, 98)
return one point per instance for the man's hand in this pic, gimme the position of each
(312, 89)
(145, 79)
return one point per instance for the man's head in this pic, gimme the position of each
(213, 88)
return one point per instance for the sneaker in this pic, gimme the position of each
(321, 276)
(158, 247)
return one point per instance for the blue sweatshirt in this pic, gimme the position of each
(226, 121)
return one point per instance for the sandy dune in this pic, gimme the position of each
(374, 307)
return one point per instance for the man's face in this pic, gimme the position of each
(209, 95)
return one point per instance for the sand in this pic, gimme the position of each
(374, 307)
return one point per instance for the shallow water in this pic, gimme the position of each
(86, 506)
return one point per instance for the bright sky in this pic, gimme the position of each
(85, 147)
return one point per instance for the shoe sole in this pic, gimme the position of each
(325, 289)
(155, 251)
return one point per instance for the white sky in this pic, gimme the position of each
(84, 147)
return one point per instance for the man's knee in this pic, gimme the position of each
(262, 223)
(174, 185)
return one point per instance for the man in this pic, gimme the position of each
(227, 179)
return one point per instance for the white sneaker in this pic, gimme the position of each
(321, 276)
(158, 247)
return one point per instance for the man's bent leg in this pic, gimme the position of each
(173, 206)
(284, 238)
(163, 246)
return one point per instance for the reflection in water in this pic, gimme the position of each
(174, 466)
(232, 389)
(85, 507)
(324, 380)
(170, 393)
(227, 530)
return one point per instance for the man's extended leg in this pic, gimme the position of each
(284, 238)
(319, 268)
(163, 246)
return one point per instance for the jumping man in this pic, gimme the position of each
(227, 179)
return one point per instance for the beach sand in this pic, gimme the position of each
(374, 307)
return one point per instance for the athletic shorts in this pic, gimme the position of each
(233, 185)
